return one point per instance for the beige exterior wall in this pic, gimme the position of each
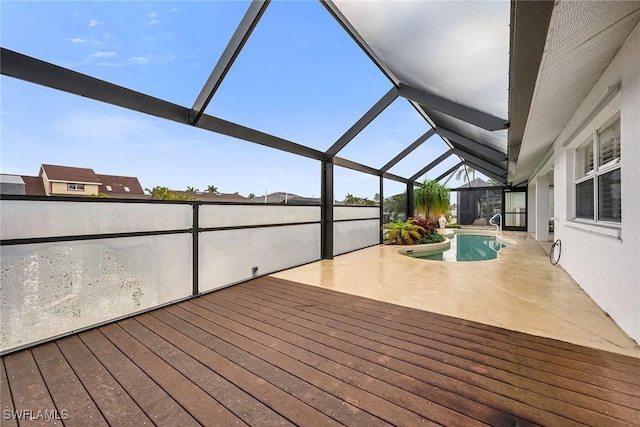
(59, 188)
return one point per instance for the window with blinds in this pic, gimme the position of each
(598, 183)
(584, 160)
(609, 140)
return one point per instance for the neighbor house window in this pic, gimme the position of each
(75, 187)
(598, 183)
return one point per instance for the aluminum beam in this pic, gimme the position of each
(471, 145)
(465, 155)
(381, 201)
(431, 165)
(501, 178)
(19, 66)
(231, 52)
(326, 209)
(33, 70)
(450, 171)
(378, 108)
(339, 161)
(462, 112)
(410, 206)
(387, 175)
(234, 130)
(408, 150)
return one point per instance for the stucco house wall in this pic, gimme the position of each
(60, 188)
(605, 260)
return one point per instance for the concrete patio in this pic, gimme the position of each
(520, 291)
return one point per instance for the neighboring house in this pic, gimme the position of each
(21, 185)
(121, 187)
(213, 197)
(286, 198)
(54, 180)
(12, 184)
(69, 181)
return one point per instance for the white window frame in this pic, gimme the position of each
(597, 171)
(73, 186)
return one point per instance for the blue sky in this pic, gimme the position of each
(299, 77)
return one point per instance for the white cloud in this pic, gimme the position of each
(364, 176)
(117, 131)
(153, 18)
(102, 54)
(149, 59)
(173, 10)
(76, 40)
(139, 60)
(94, 23)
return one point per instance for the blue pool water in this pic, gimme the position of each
(467, 247)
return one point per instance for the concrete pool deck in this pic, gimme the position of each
(520, 291)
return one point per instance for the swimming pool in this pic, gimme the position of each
(465, 247)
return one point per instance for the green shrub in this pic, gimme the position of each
(432, 238)
(402, 233)
(452, 226)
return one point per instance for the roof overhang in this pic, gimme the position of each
(581, 41)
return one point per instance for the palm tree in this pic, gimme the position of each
(464, 173)
(191, 189)
(350, 199)
(432, 198)
(251, 196)
(396, 206)
(212, 189)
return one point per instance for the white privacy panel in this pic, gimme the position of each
(242, 215)
(351, 235)
(229, 256)
(355, 212)
(25, 219)
(53, 288)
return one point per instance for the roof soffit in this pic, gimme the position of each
(583, 39)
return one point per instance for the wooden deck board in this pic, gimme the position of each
(271, 352)
(410, 314)
(405, 363)
(471, 379)
(469, 347)
(65, 388)
(28, 389)
(204, 408)
(496, 337)
(579, 358)
(114, 402)
(6, 401)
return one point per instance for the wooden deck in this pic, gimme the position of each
(273, 352)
